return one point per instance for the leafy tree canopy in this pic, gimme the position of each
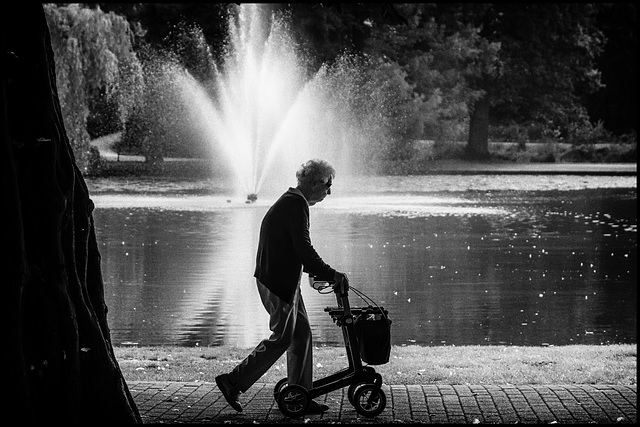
(94, 56)
(546, 58)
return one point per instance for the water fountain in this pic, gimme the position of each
(264, 114)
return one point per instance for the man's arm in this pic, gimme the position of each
(312, 262)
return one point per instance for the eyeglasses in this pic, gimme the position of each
(328, 183)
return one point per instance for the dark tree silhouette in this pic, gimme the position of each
(60, 362)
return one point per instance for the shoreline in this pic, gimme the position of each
(505, 158)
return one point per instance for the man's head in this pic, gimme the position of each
(314, 180)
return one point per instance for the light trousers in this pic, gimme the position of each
(290, 333)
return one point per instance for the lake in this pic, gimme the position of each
(455, 259)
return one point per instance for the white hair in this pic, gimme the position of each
(314, 169)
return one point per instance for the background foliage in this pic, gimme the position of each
(95, 65)
(445, 72)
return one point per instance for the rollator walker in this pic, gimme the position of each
(366, 332)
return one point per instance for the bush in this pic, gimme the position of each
(513, 132)
(599, 153)
(588, 133)
(548, 152)
(553, 151)
(94, 162)
(183, 169)
(449, 150)
(621, 153)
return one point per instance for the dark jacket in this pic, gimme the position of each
(285, 247)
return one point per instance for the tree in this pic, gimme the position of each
(159, 126)
(438, 65)
(617, 102)
(496, 63)
(545, 65)
(94, 59)
(60, 363)
(157, 21)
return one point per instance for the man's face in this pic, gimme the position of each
(320, 189)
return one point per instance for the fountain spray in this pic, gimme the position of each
(265, 113)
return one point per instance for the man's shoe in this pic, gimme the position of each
(230, 393)
(316, 408)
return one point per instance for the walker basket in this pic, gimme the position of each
(373, 330)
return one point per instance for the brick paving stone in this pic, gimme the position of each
(196, 403)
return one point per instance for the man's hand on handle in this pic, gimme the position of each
(341, 283)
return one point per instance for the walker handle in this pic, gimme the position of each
(319, 284)
(343, 299)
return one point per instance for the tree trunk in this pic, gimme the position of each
(60, 363)
(478, 143)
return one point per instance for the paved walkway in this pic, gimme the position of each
(200, 403)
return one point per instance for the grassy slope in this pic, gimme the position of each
(578, 364)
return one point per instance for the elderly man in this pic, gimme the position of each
(284, 252)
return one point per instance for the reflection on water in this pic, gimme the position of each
(461, 265)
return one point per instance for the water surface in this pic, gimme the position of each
(480, 259)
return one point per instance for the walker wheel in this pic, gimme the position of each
(293, 400)
(278, 388)
(352, 389)
(369, 401)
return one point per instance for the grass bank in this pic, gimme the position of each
(576, 364)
